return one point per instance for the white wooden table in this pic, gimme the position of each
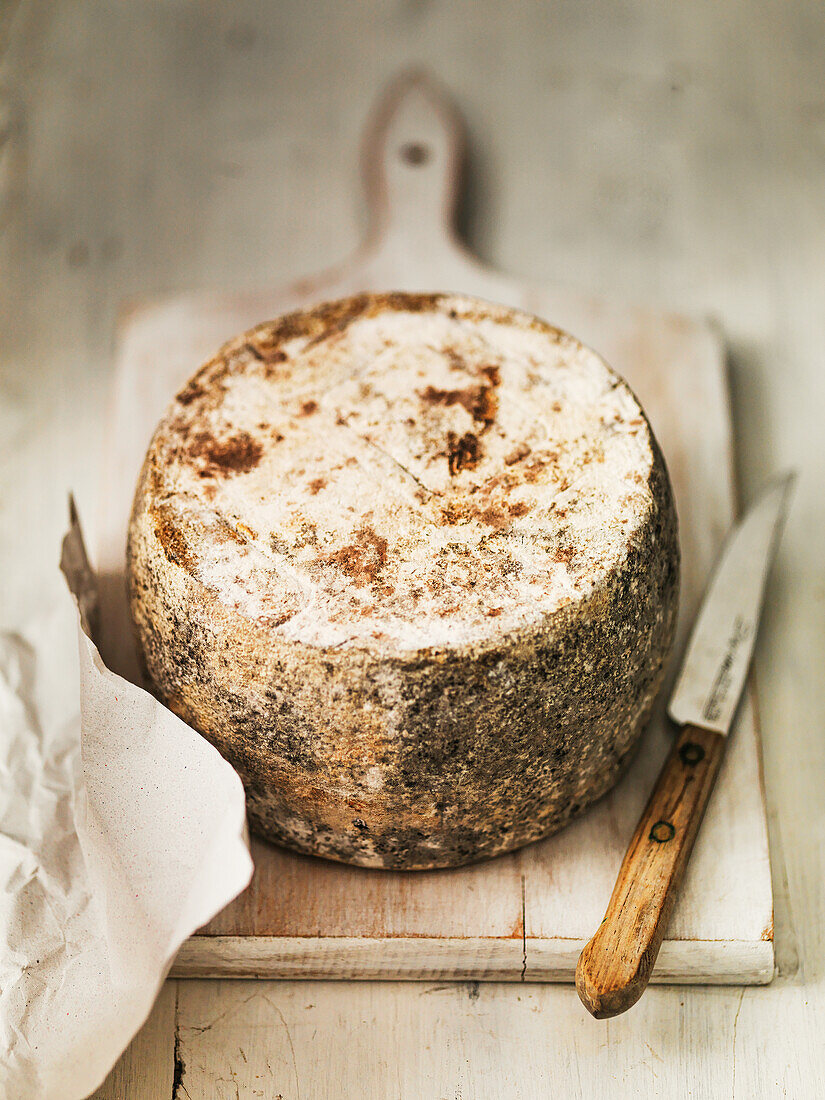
(675, 151)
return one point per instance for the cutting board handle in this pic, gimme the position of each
(412, 158)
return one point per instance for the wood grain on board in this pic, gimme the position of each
(526, 915)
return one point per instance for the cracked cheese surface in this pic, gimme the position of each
(401, 472)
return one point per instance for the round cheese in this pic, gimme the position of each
(410, 562)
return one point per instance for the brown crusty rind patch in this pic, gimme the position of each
(421, 722)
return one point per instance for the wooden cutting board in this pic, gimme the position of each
(524, 916)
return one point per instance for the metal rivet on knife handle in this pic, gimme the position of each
(662, 832)
(691, 753)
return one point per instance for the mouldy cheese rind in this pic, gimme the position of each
(411, 563)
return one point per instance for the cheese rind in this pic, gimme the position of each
(410, 562)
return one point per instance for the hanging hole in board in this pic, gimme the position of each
(415, 153)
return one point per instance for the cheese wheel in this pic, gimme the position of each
(410, 562)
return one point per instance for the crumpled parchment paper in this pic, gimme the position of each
(122, 831)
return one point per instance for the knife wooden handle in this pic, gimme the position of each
(615, 966)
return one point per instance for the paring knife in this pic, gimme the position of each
(615, 966)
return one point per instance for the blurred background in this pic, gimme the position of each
(669, 154)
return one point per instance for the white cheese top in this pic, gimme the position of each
(403, 472)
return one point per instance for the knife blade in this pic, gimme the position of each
(715, 665)
(615, 966)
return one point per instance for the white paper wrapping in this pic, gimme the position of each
(122, 831)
